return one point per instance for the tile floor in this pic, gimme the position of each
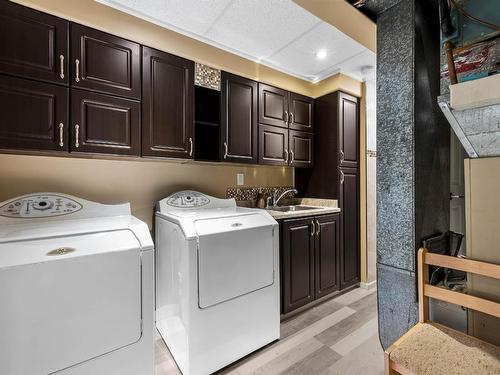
(336, 337)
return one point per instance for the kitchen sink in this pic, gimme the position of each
(292, 208)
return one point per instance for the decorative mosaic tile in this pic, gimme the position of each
(206, 76)
(250, 193)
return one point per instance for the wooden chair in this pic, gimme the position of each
(431, 348)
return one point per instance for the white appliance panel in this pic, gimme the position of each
(69, 308)
(235, 257)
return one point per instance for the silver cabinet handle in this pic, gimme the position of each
(77, 135)
(61, 58)
(286, 156)
(342, 177)
(291, 118)
(190, 146)
(313, 230)
(286, 117)
(318, 230)
(225, 150)
(77, 70)
(61, 134)
(342, 155)
(292, 157)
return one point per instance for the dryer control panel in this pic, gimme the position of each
(188, 199)
(37, 206)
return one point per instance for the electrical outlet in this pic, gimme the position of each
(240, 179)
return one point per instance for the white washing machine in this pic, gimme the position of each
(76, 288)
(217, 289)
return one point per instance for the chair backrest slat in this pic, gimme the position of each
(426, 290)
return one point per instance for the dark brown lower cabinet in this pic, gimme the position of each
(327, 254)
(34, 115)
(297, 263)
(309, 253)
(105, 124)
(301, 149)
(349, 204)
(273, 145)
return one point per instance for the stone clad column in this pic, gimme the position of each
(412, 154)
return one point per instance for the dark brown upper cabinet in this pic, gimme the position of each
(301, 112)
(239, 119)
(326, 260)
(300, 149)
(105, 63)
(273, 106)
(350, 249)
(273, 145)
(105, 124)
(33, 44)
(348, 131)
(167, 105)
(34, 115)
(298, 263)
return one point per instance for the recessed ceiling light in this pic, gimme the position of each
(321, 54)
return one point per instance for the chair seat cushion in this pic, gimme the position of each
(435, 349)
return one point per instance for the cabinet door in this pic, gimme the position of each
(34, 115)
(298, 263)
(105, 63)
(349, 204)
(348, 131)
(167, 105)
(273, 145)
(326, 260)
(104, 123)
(33, 44)
(239, 119)
(301, 112)
(301, 149)
(273, 106)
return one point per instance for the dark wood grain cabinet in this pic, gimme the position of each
(273, 106)
(34, 115)
(239, 119)
(273, 145)
(105, 63)
(348, 128)
(280, 109)
(33, 44)
(327, 255)
(301, 145)
(310, 258)
(350, 250)
(301, 112)
(167, 105)
(105, 124)
(297, 263)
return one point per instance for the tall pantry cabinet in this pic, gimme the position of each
(335, 174)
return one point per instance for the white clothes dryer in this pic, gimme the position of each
(217, 280)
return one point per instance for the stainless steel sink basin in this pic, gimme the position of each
(292, 208)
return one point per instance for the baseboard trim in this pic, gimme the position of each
(368, 286)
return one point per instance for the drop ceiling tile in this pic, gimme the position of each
(258, 28)
(356, 66)
(186, 16)
(300, 56)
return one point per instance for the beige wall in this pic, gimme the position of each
(141, 182)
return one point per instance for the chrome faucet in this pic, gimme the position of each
(275, 194)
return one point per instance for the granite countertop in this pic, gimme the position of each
(321, 207)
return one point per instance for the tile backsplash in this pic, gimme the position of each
(250, 193)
